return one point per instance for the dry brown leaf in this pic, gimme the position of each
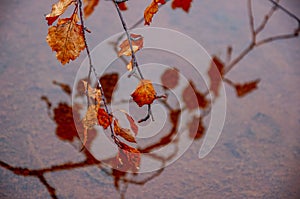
(144, 93)
(243, 89)
(137, 42)
(93, 93)
(90, 118)
(89, 6)
(215, 74)
(129, 158)
(103, 118)
(124, 133)
(184, 4)
(58, 9)
(66, 39)
(151, 10)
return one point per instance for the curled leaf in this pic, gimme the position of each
(90, 118)
(144, 93)
(66, 39)
(244, 89)
(184, 4)
(137, 42)
(92, 92)
(151, 10)
(89, 6)
(103, 118)
(215, 74)
(124, 133)
(58, 9)
(170, 78)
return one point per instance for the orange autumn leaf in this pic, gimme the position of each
(215, 74)
(128, 158)
(144, 93)
(89, 6)
(151, 10)
(193, 98)
(58, 9)
(184, 4)
(170, 78)
(124, 133)
(103, 118)
(137, 42)
(243, 89)
(66, 39)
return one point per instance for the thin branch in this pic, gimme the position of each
(278, 37)
(286, 11)
(266, 19)
(251, 20)
(134, 60)
(92, 68)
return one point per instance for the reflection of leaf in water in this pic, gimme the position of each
(109, 82)
(215, 74)
(63, 117)
(193, 98)
(196, 128)
(170, 78)
(246, 88)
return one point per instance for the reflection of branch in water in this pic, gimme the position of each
(66, 131)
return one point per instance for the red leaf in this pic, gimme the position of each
(184, 4)
(170, 78)
(246, 88)
(215, 74)
(103, 118)
(122, 6)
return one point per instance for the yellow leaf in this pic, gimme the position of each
(66, 39)
(90, 118)
(92, 92)
(58, 9)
